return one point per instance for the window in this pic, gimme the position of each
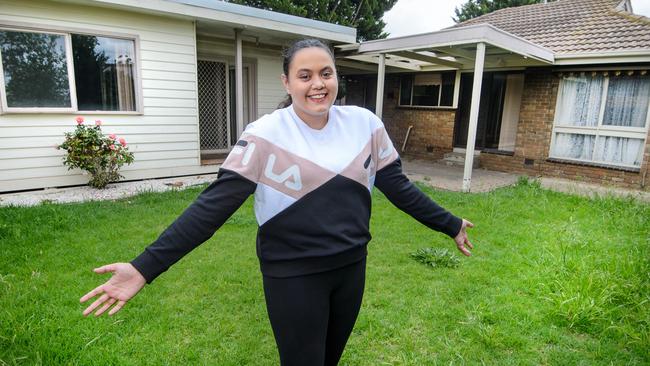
(66, 72)
(602, 118)
(429, 90)
(35, 68)
(103, 69)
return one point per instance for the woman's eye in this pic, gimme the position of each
(327, 74)
(303, 77)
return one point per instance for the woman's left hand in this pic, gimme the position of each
(461, 239)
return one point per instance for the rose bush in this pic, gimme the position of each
(88, 149)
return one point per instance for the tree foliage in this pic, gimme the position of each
(475, 8)
(365, 15)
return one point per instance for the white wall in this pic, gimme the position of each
(164, 138)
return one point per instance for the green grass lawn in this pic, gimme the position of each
(555, 279)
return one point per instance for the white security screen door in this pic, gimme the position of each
(214, 108)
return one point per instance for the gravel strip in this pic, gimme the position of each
(126, 189)
(113, 191)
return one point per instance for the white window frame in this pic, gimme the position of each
(71, 82)
(454, 103)
(67, 33)
(599, 130)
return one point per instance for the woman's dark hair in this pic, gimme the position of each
(289, 52)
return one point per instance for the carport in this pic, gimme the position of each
(470, 48)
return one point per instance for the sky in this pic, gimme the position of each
(421, 16)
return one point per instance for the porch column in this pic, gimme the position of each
(473, 115)
(381, 71)
(239, 84)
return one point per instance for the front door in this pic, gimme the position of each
(493, 91)
(246, 71)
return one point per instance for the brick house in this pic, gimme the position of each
(556, 89)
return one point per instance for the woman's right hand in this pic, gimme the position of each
(125, 283)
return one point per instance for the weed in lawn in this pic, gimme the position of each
(436, 257)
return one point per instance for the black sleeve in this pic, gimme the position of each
(407, 197)
(197, 223)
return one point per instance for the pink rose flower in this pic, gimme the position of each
(122, 141)
(112, 147)
(98, 123)
(79, 120)
(112, 136)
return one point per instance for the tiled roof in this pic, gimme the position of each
(573, 26)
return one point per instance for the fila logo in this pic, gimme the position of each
(291, 172)
(243, 147)
(385, 152)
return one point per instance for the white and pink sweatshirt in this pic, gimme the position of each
(312, 194)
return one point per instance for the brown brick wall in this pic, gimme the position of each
(433, 130)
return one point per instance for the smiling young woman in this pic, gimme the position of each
(312, 83)
(312, 167)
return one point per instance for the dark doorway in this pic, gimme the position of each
(488, 129)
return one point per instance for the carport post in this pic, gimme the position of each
(381, 71)
(473, 115)
(239, 84)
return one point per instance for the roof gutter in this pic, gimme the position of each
(608, 57)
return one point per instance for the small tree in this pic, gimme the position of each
(475, 8)
(88, 149)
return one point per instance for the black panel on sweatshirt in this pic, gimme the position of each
(330, 220)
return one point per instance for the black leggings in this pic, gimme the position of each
(312, 316)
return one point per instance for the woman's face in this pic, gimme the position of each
(312, 84)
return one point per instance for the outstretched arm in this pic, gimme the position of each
(407, 197)
(196, 225)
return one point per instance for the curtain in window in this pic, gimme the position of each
(104, 73)
(580, 100)
(574, 146)
(125, 82)
(619, 150)
(627, 101)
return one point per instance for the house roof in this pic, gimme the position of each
(213, 14)
(261, 14)
(573, 26)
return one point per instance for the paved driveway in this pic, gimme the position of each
(442, 176)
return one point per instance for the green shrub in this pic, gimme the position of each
(89, 150)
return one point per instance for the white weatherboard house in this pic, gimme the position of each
(178, 79)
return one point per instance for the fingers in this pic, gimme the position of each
(469, 224)
(98, 290)
(464, 250)
(468, 243)
(116, 308)
(108, 304)
(107, 268)
(95, 304)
